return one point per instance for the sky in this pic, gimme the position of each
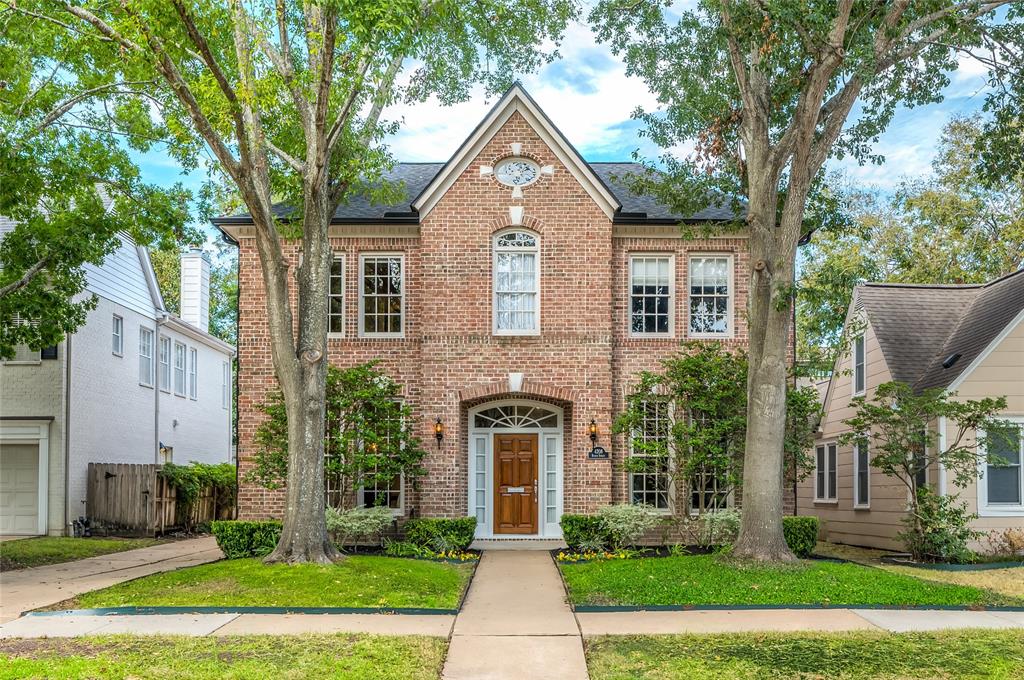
(588, 95)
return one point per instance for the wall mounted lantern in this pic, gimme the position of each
(439, 431)
(593, 431)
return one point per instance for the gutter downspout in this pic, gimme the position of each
(67, 433)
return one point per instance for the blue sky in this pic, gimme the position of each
(589, 97)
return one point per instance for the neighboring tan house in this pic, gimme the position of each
(514, 294)
(134, 384)
(966, 339)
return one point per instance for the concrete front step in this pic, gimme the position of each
(546, 544)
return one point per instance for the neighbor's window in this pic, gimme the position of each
(651, 486)
(382, 295)
(225, 384)
(179, 369)
(920, 453)
(825, 472)
(861, 474)
(1005, 479)
(146, 357)
(650, 294)
(516, 284)
(336, 296)
(117, 336)
(165, 364)
(858, 365)
(710, 296)
(193, 373)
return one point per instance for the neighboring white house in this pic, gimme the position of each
(135, 384)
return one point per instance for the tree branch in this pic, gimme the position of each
(25, 279)
(296, 165)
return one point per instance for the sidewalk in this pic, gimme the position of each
(26, 589)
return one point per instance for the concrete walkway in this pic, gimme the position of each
(26, 589)
(516, 623)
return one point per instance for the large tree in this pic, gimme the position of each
(68, 181)
(947, 228)
(763, 90)
(286, 97)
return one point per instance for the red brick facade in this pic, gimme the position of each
(449, 360)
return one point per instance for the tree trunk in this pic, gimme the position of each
(771, 277)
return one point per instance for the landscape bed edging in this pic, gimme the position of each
(610, 608)
(945, 566)
(157, 611)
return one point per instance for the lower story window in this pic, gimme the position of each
(825, 472)
(709, 490)
(386, 493)
(649, 481)
(1004, 474)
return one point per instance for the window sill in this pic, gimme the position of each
(834, 501)
(862, 507)
(148, 386)
(21, 363)
(710, 336)
(1001, 511)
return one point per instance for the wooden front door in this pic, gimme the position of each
(515, 483)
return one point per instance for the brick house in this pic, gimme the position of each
(514, 295)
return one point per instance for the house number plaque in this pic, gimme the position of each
(598, 453)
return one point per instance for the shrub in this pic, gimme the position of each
(1006, 544)
(441, 534)
(246, 539)
(349, 526)
(189, 482)
(801, 534)
(584, 532)
(940, 530)
(624, 523)
(404, 549)
(720, 527)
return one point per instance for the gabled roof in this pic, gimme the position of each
(920, 328)
(425, 183)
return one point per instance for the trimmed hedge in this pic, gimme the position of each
(239, 539)
(801, 534)
(441, 534)
(580, 530)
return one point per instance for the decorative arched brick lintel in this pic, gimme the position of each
(504, 222)
(500, 389)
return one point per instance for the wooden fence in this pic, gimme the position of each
(135, 499)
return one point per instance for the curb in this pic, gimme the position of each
(157, 611)
(600, 608)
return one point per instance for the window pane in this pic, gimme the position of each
(709, 295)
(820, 472)
(831, 471)
(1004, 484)
(650, 298)
(382, 294)
(862, 473)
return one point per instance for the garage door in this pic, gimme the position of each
(19, 489)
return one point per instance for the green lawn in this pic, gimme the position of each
(35, 552)
(307, 656)
(359, 581)
(708, 580)
(959, 654)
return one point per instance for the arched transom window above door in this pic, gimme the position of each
(516, 283)
(515, 416)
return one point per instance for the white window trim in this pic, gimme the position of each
(340, 257)
(396, 512)
(193, 373)
(184, 368)
(225, 387)
(819, 494)
(671, 500)
(165, 386)
(494, 282)
(986, 509)
(853, 365)
(730, 310)
(117, 322)
(362, 258)
(152, 355)
(671, 295)
(858, 503)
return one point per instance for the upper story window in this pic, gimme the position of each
(117, 336)
(858, 365)
(650, 295)
(193, 373)
(336, 296)
(145, 357)
(517, 172)
(225, 384)
(382, 295)
(516, 284)
(825, 473)
(165, 364)
(711, 296)
(179, 369)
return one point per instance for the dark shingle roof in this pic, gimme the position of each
(416, 176)
(919, 326)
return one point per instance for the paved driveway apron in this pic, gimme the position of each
(516, 623)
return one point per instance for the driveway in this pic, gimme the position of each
(26, 589)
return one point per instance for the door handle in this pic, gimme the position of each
(535, 490)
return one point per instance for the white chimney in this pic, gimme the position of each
(195, 289)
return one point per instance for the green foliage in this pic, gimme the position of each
(356, 524)
(404, 549)
(801, 534)
(370, 436)
(189, 482)
(584, 532)
(939, 529)
(720, 527)
(238, 539)
(624, 524)
(441, 534)
(42, 550)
